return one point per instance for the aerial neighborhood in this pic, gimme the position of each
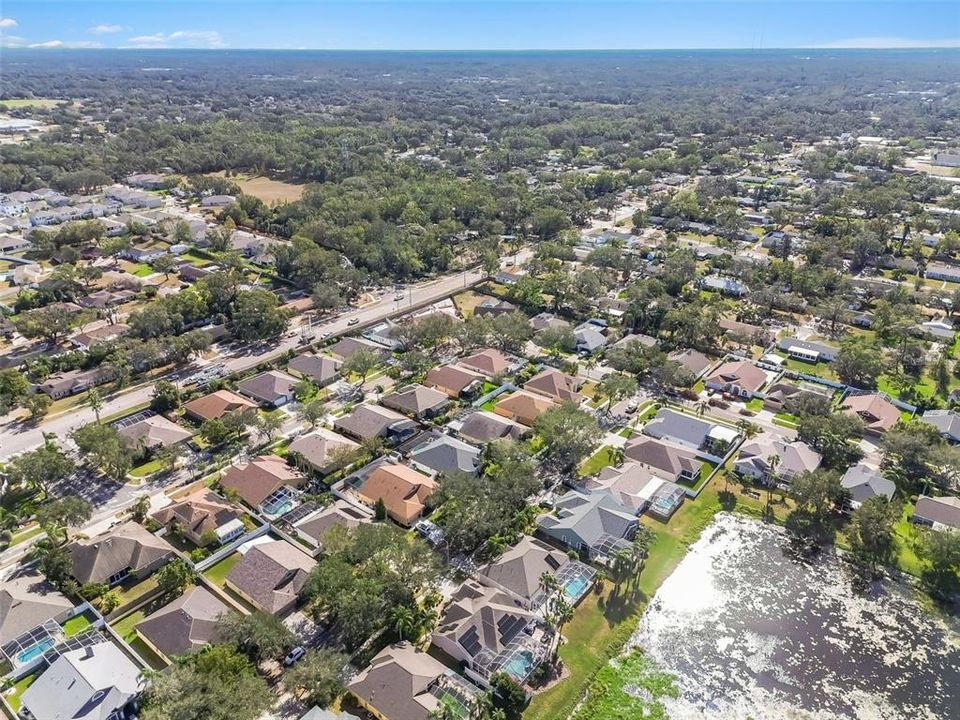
(423, 456)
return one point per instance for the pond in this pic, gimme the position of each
(751, 632)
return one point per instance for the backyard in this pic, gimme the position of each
(125, 629)
(217, 574)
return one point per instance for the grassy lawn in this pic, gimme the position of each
(141, 270)
(596, 463)
(149, 468)
(492, 402)
(218, 573)
(756, 404)
(906, 535)
(601, 625)
(705, 471)
(820, 369)
(467, 302)
(25, 535)
(76, 625)
(19, 689)
(125, 627)
(44, 103)
(131, 593)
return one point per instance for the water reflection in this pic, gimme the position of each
(752, 632)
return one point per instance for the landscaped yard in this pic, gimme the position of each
(19, 688)
(125, 629)
(603, 457)
(756, 404)
(141, 270)
(218, 573)
(131, 591)
(76, 625)
(149, 468)
(820, 369)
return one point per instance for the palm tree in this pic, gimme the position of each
(773, 462)
(404, 621)
(617, 456)
(622, 566)
(95, 402)
(641, 546)
(701, 408)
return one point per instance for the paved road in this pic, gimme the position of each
(16, 437)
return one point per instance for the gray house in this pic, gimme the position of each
(862, 482)
(447, 455)
(947, 422)
(595, 524)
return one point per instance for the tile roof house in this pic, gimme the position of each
(596, 523)
(863, 482)
(454, 380)
(155, 431)
(340, 513)
(270, 576)
(877, 413)
(260, 478)
(26, 601)
(480, 624)
(670, 463)
(488, 362)
(939, 513)
(483, 427)
(128, 549)
(203, 517)
(446, 455)
(555, 385)
(185, 625)
(370, 421)
(693, 360)
(321, 369)
(272, 388)
(639, 488)
(418, 401)
(217, 404)
(322, 449)
(519, 569)
(402, 683)
(738, 377)
(947, 422)
(97, 682)
(403, 490)
(348, 346)
(524, 407)
(794, 458)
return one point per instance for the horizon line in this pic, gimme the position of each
(485, 50)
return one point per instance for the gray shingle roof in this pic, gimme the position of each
(447, 455)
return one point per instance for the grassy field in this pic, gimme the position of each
(267, 189)
(43, 103)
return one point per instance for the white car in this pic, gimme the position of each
(353, 321)
(294, 655)
(399, 296)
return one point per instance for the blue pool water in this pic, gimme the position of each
(519, 666)
(35, 651)
(575, 587)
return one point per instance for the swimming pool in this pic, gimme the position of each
(519, 665)
(575, 587)
(35, 651)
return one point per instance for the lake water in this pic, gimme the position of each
(751, 632)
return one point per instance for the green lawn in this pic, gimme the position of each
(125, 627)
(19, 688)
(25, 535)
(218, 573)
(76, 625)
(906, 535)
(756, 404)
(141, 270)
(705, 471)
(134, 591)
(149, 468)
(820, 369)
(596, 463)
(45, 103)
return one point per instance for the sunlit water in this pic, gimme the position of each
(750, 632)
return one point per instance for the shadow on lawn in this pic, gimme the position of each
(622, 601)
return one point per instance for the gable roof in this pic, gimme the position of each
(129, 545)
(481, 621)
(863, 483)
(660, 456)
(554, 384)
(397, 683)
(447, 455)
(268, 386)
(186, 624)
(946, 421)
(199, 512)
(742, 373)
(319, 447)
(272, 574)
(693, 360)
(878, 413)
(367, 421)
(320, 368)
(519, 569)
(85, 684)
(217, 404)
(416, 399)
(941, 510)
(26, 601)
(256, 480)
(488, 362)
(404, 491)
(482, 426)
(348, 346)
(155, 431)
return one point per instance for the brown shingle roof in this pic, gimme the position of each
(217, 404)
(397, 682)
(452, 379)
(524, 406)
(272, 574)
(490, 362)
(268, 387)
(403, 490)
(257, 480)
(320, 447)
(319, 368)
(156, 431)
(199, 512)
(554, 385)
(876, 412)
(416, 400)
(185, 625)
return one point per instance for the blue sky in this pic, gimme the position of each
(479, 24)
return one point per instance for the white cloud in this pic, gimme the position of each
(179, 39)
(6, 22)
(12, 41)
(78, 44)
(867, 43)
(106, 29)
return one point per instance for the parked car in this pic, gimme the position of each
(353, 321)
(632, 406)
(294, 655)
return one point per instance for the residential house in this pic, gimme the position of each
(95, 682)
(184, 626)
(76, 381)
(322, 449)
(13, 243)
(155, 432)
(348, 346)
(877, 413)
(217, 201)
(483, 627)
(590, 338)
(671, 463)
(482, 427)
(29, 274)
(266, 484)
(808, 350)
(947, 422)
(942, 271)
(691, 432)
(737, 377)
(782, 396)
(203, 518)
(320, 369)
(519, 570)
(455, 381)
(938, 330)
(27, 600)
(547, 320)
(217, 404)
(628, 341)
(405, 683)
(102, 334)
(737, 330)
(314, 526)
(318, 713)
(403, 491)
(128, 549)
(272, 388)
(270, 576)
(446, 455)
(555, 385)
(695, 362)
(638, 487)
(493, 307)
(595, 524)
(371, 421)
(418, 401)
(724, 285)
(939, 513)
(146, 181)
(523, 407)
(772, 459)
(863, 482)
(489, 362)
